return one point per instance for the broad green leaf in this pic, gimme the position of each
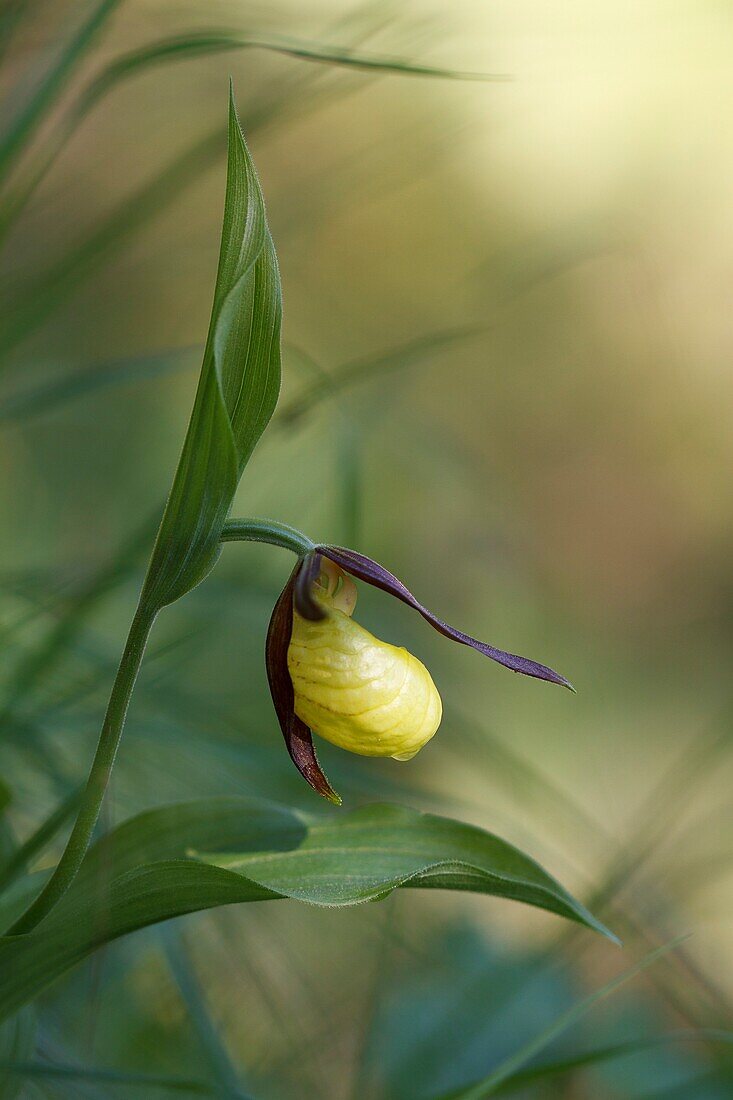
(160, 865)
(238, 387)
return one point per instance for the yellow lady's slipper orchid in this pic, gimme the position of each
(330, 676)
(356, 691)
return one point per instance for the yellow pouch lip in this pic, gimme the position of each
(358, 692)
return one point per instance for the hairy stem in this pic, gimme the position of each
(266, 530)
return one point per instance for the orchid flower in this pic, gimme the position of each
(330, 676)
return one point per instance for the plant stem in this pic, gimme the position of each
(104, 758)
(236, 530)
(266, 530)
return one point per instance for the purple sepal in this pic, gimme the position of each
(373, 573)
(303, 595)
(298, 738)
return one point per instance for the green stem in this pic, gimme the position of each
(104, 758)
(236, 530)
(267, 530)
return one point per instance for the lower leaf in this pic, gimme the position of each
(199, 855)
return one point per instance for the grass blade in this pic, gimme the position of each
(195, 1001)
(52, 84)
(57, 392)
(48, 1071)
(204, 43)
(29, 307)
(201, 43)
(37, 841)
(490, 1085)
(17, 1042)
(608, 1054)
(10, 15)
(364, 368)
(51, 647)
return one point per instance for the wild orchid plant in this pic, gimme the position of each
(327, 675)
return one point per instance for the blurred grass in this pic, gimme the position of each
(548, 468)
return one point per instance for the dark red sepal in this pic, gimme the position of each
(298, 738)
(303, 595)
(373, 573)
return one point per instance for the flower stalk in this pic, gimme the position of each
(267, 530)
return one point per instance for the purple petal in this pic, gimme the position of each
(303, 596)
(371, 571)
(297, 735)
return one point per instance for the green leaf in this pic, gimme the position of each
(238, 388)
(156, 866)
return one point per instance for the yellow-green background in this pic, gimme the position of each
(551, 473)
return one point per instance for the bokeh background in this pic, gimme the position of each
(507, 352)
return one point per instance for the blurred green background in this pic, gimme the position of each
(507, 353)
